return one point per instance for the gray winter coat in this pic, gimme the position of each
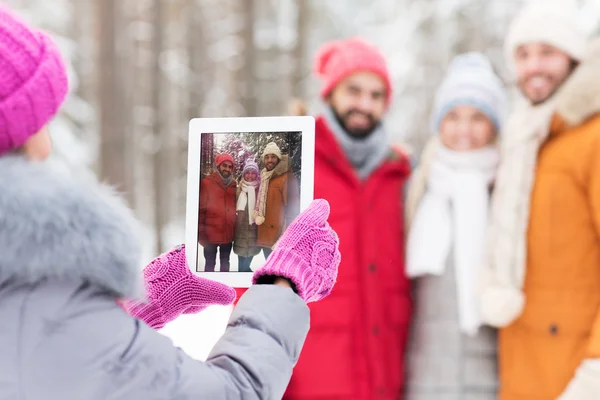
(67, 249)
(443, 363)
(244, 243)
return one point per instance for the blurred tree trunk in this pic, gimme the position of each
(199, 65)
(241, 85)
(160, 154)
(299, 53)
(221, 24)
(197, 81)
(268, 60)
(172, 106)
(85, 65)
(140, 29)
(247, 80)
(114, 145)
(77, 32)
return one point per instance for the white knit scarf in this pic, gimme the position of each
(247, 197)
(261, 206)
(452, 218)
(502, 299)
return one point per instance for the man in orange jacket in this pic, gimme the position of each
(278, 200)
(542, 286)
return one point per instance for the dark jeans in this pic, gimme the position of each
(210, 255)
(267, 252)
(244, 264)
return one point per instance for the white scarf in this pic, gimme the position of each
(261, 206)
(454, 212)
(247, 197)
(502, 299)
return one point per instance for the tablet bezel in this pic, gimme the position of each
(200, 126)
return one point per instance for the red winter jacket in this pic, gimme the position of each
(216, 215)
(355, 347)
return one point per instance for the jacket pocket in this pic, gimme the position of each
(560, 312)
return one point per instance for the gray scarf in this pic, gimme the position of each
(226, 181)
(366, 155)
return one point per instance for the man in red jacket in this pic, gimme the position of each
(216, 216)
(356, 344)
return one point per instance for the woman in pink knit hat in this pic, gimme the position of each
(69, 255)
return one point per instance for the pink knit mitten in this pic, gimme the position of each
(307, 254)
(173, 289)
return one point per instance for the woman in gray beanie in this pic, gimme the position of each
(450, 354)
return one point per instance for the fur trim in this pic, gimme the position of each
(283, 167)
(55, 226)
(579, 99)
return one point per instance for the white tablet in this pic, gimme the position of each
(248, 178)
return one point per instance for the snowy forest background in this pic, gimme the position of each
(140, 69)
(245, 146)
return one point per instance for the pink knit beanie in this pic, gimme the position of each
(338, 59)
(33, 81)
(221, 158)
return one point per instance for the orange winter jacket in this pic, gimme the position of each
(283, 204)
(560, 325)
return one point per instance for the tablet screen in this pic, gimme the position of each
(249, 193)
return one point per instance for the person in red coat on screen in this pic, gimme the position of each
(357, 340)
(216, 214)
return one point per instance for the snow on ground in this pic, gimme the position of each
(197, 334)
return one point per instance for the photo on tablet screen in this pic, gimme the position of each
(249, 192)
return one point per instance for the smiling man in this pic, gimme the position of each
(355, 348)
(216, 215)
(543, 283)
(278, 200)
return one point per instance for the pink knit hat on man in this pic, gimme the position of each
(33, 81)
(221, 158)
(338, 59)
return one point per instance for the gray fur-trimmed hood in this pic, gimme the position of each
(57, 226)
